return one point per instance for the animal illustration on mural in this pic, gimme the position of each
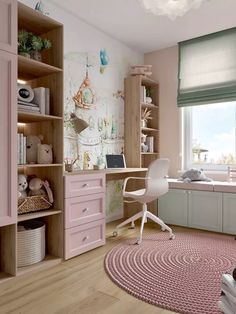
(104, 60)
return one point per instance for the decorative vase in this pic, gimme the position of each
(143, 123)
(36, 55)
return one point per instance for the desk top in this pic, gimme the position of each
(107, 171)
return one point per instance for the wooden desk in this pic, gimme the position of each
(119, 174)
(113, 174)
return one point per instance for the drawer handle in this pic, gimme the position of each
(85, 210)
(85, 238)
(85, 185)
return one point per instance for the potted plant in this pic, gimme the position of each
(24, 46)
(145, 116)
(31, 45)
(37, 45)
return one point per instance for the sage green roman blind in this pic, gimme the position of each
(207, 69)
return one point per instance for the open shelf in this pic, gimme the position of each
(148, 81)
(48, 262)
(25, 117)
(39, 165)
(149, 130)
(149, 106)
(35, 21)
(42, 213)
(148, 153)
(29, 69)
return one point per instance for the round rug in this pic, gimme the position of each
(182, 275)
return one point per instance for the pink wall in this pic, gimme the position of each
(165, 69)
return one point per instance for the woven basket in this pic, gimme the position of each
(33, 203)
(31, 243)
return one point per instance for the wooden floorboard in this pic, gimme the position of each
(77, 286)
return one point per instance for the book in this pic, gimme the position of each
(40, 98)
(28, 108)
(149, 143)
(47, 101)
(30, 104)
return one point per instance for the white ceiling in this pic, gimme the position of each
(128, 22)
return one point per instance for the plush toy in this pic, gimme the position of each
(36, 187)
(22, 186)
(45, 154)
(194, 175)
(32, 142)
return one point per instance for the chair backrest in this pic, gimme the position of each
(157, 184)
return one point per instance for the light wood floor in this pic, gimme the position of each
(79, 285)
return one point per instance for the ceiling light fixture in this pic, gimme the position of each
(170, 8)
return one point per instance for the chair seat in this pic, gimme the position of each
(135, 194)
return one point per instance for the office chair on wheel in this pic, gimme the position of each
(155, 185)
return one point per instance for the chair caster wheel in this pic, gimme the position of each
(139, 241)
(132, 226)
(172, 237)
(163, 229)
(115, 233)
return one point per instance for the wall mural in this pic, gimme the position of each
(94, 93)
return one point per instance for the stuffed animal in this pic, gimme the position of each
(32, 142)
(36, 187)
(194, 175)
(22, 186)
(45, 154)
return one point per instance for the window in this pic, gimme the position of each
(209, 136)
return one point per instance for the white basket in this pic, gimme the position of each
(31, 243)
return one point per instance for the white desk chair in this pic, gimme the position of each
(155, 185)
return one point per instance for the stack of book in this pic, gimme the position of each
(42, 99)
(227, 301)
(150, 143)
(24, 106)
(143, 94)
(21, 149)
(40, 103)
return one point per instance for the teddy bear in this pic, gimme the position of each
(22, 186)
(32, 142)
(44, 155)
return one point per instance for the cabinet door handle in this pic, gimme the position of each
(85, 185)
(85, 210)
(85, 238)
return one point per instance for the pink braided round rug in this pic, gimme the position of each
(182, 275)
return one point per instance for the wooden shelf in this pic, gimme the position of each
(24, 117)
(35, 21)
(150, 106)
(148, 81)
(39, 165)
(29, 69)
(149, 130)
(148, 153)
(48, 262)
(42, 213)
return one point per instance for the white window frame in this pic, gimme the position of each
(187, 145)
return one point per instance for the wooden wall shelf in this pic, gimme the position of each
(48, 74)
(29, 69)
(42, 213)
(24, 117)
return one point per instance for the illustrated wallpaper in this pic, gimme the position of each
(94, 93)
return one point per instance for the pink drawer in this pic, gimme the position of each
(84, 238)
(84, 184)
(84, 209)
